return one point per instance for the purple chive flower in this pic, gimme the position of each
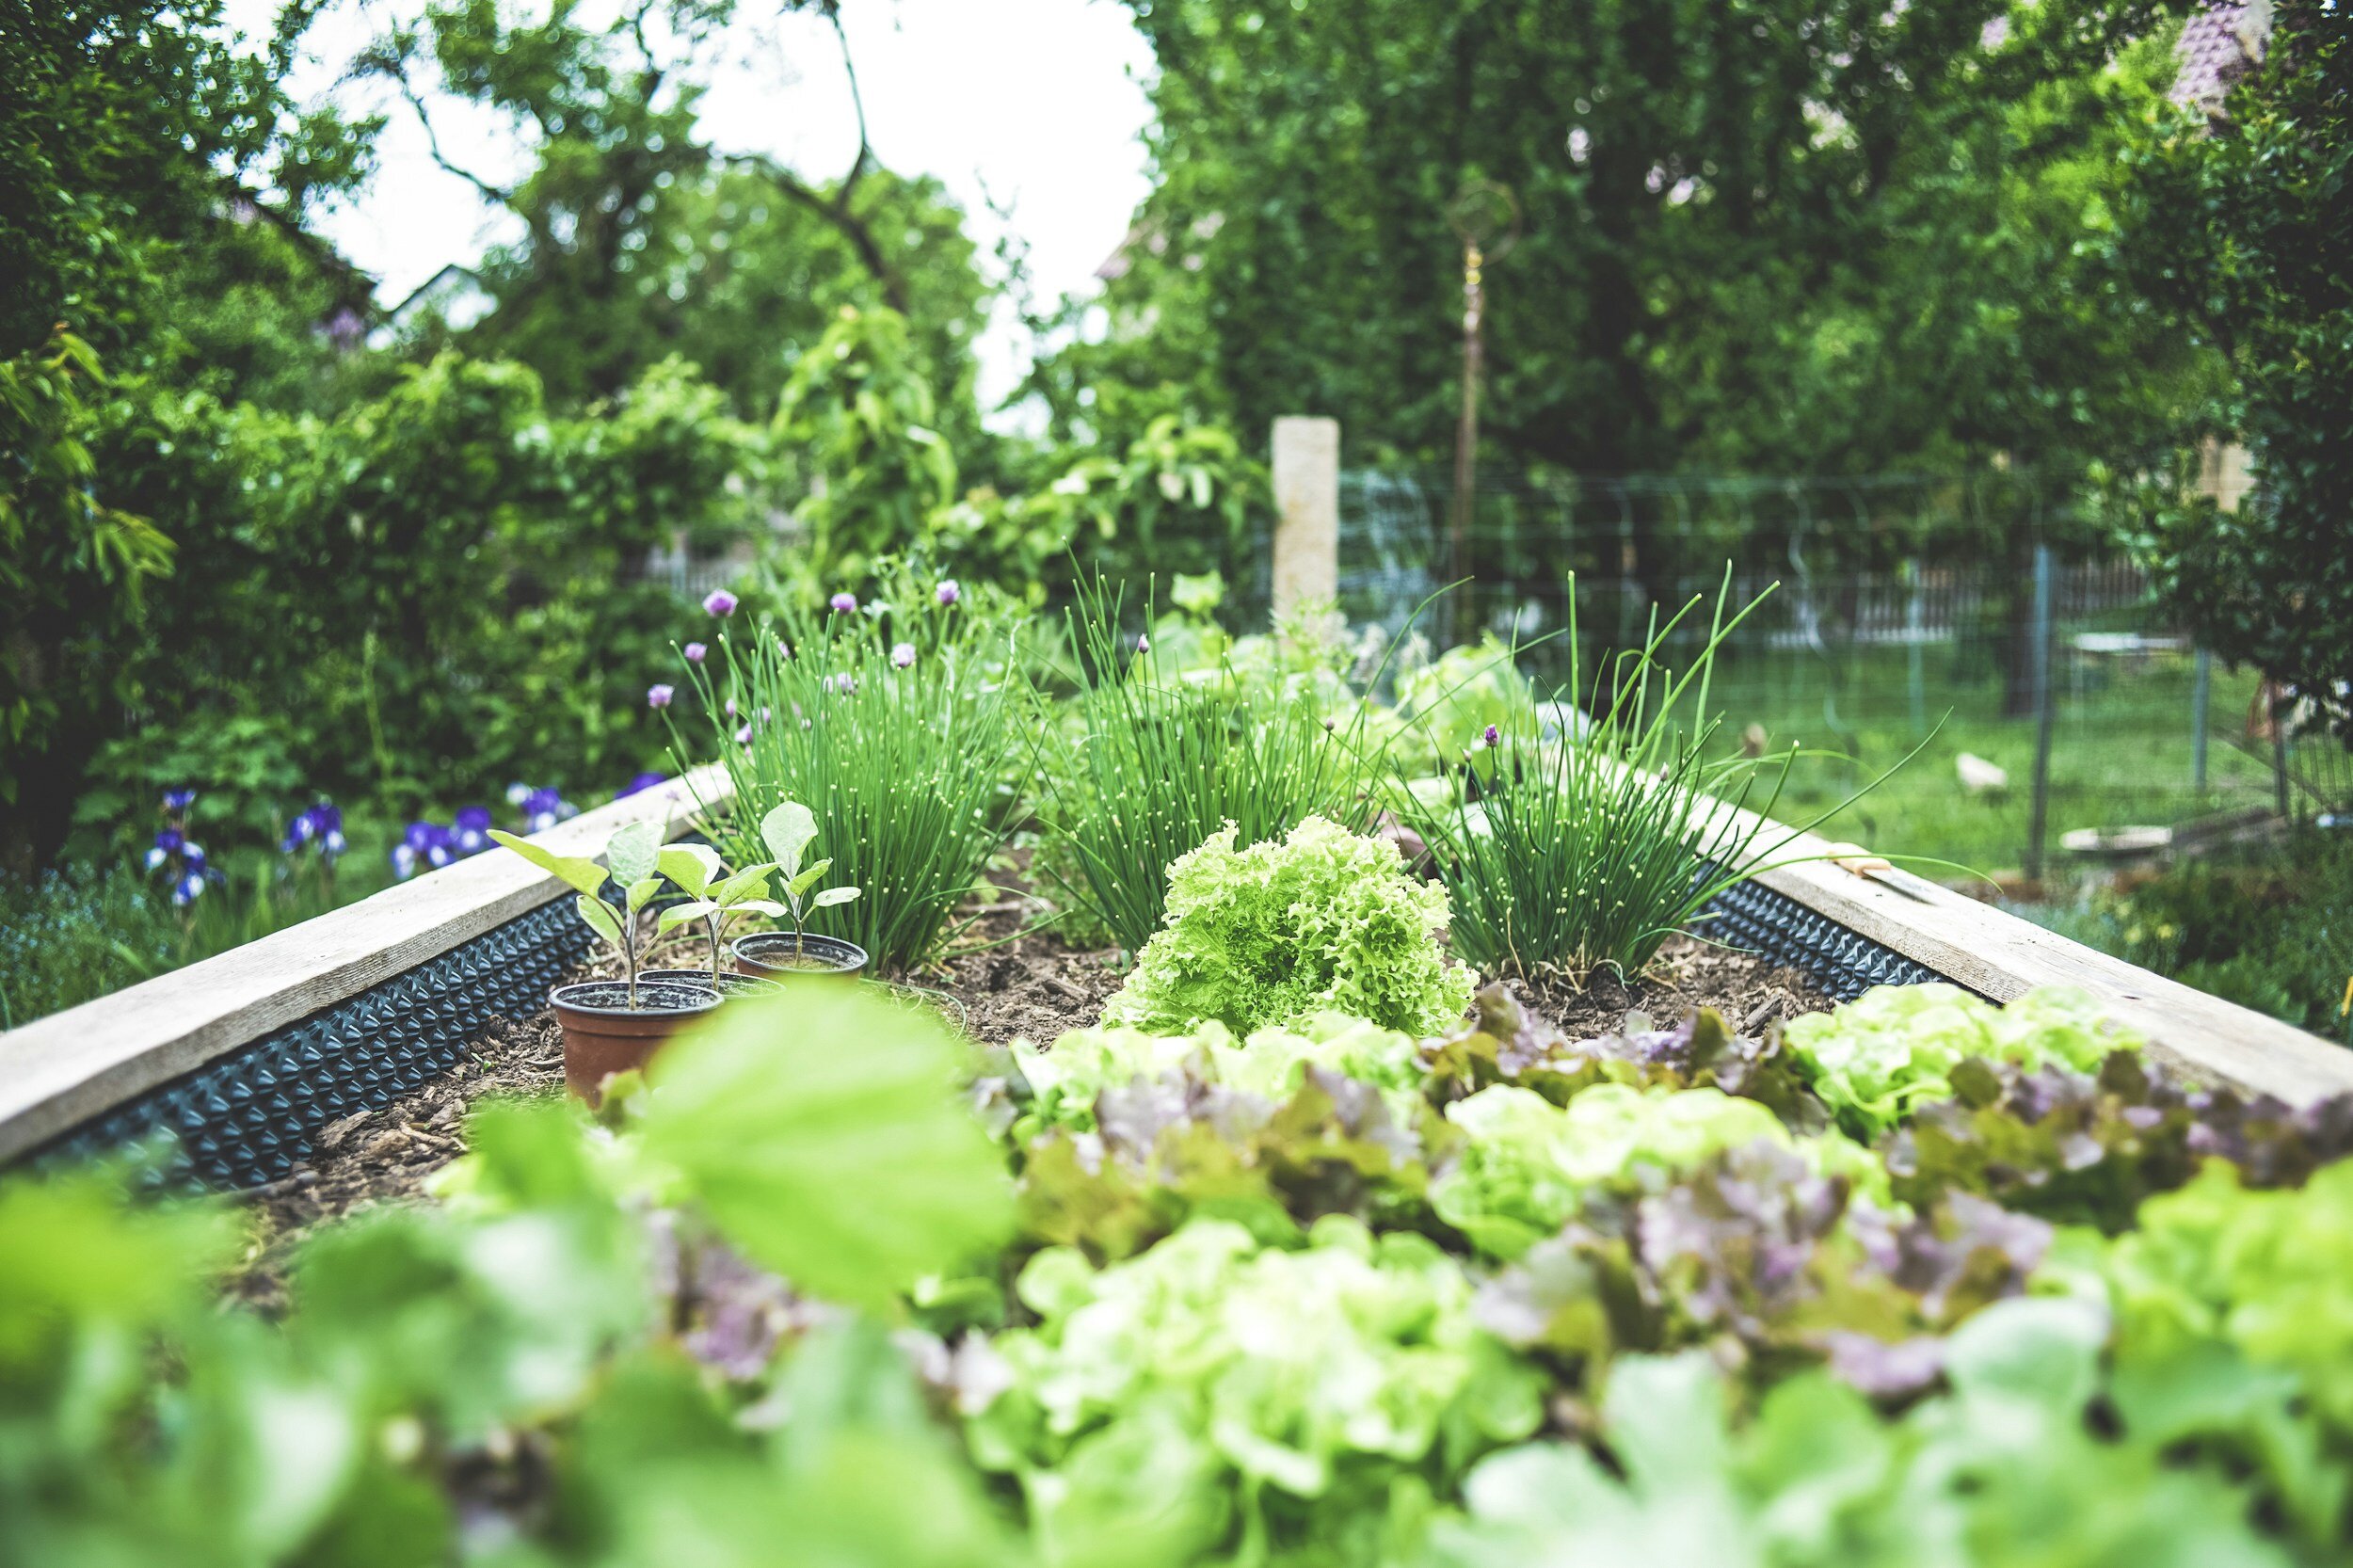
(1144, 644)
(728, 707)
(743, 736)
(948, 592)
(901, 655)
(696, 652)
(659, 695)
(1493, 736)
(719, 602)
(843, 603)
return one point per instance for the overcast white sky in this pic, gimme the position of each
(1039, 100)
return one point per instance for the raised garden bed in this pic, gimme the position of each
(1282, 1246)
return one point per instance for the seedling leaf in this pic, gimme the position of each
(601, 919)
(578, 872)
(787, 831)
(634, 854)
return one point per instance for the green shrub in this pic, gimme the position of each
(1322, 921)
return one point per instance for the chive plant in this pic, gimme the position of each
(1158, 764)
(892, 721)
(1587, 852)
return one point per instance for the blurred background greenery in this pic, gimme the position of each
(273, 532)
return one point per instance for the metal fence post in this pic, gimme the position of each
(1915, 684)
(2201, 693)
(2043, 703)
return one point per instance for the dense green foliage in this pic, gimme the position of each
(1320, 921)
(2238, 226)
(1782, 238)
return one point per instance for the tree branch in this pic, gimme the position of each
(857, 103)
(835, 210)
(397, 69)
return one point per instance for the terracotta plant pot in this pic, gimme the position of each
(603, 1036)
(730, 982)
(772, 955)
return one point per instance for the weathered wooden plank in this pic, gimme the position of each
(2000, 955)
(60, 1071)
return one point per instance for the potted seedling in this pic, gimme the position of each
(788, 831)
(715, 896)
(611, 1026)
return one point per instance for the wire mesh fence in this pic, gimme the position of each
(1892, 617)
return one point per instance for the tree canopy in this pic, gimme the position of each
(1771, 235)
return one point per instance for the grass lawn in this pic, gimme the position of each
(2120, 749)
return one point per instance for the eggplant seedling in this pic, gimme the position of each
(788, 831)
(631, 859)
(716, 895)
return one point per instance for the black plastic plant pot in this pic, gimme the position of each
(604, 1036)
(781, 956)
(730, 982)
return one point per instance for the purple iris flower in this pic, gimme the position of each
(843, 603)
(518, 793)
(642, 782)
(659, 695)
(176, 801)
(469, 831)
(170, 839)
(192, 856)
(903, 655)
(188, 890)
(948, 592)
(696, 654)
(544, 808)
(719, 602)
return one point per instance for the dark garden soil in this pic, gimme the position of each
(1032, 986)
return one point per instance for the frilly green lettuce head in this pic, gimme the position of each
(1896, 1046)
(2218, 1272)
(1324, 921)
(1270, 1063)
(1528, 1163)
(1311, 1385)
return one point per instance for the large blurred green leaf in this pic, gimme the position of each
(819, 1131)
